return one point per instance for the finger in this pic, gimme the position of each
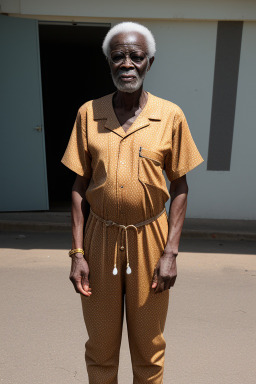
(160, 287)
(173, 280)
(85, 283)
(85, 292)
(79, 289)
(170, 283)
(155, 280)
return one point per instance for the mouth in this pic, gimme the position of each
(127, 77)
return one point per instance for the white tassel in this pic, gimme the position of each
(128, 270)
(115, 271)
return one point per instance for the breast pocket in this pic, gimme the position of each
(150, 168)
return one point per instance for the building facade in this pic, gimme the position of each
(52, 63)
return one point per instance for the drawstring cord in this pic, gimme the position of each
(122, 233)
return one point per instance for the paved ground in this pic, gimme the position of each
(211, 325)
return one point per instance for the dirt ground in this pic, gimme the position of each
(210, 329)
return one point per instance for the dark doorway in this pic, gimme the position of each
(74, 70)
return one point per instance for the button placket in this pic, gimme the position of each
(120, 179)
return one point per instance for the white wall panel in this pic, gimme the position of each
(183, 73)
(10, 6)
(164, 9)
(243, 161)
(231, 194)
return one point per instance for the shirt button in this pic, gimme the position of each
(121, 186)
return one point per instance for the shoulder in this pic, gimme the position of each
(97, 106)
(166, 106)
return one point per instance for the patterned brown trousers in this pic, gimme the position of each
(145, 311)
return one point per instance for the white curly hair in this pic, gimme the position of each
(129, 26)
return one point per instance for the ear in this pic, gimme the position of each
(151, 60)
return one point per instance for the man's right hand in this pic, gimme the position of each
(79, 275)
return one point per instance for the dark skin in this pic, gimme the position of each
(79, 274)
(125, 105)
(165, 272)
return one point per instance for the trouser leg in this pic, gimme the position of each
(146, 311)
(103, 310)
(104, 327)
(147, 344)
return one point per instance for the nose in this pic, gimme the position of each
(127, 62)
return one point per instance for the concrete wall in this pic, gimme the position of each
(163, 9)
(183, 72)
(231, 194)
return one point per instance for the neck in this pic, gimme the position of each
(129, 101)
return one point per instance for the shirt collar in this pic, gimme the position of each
(103, 108)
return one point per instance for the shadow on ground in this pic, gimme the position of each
(62, 240)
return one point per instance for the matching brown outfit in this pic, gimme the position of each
(127, 228)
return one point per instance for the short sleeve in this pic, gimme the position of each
(77, 157)
(183, 155)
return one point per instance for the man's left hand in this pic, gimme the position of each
(165, 272)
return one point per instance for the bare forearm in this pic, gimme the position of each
(79, 212)
(77, 221)
(165, 272)
(177, 214)
(79, 274)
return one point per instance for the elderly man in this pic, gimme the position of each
(126, 254)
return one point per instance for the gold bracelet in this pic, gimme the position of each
(77, 250)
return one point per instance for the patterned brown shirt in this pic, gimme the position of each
(127, 184)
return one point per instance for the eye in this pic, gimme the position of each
(117, 57)
(137, 57)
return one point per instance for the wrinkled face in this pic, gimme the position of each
(128, 61)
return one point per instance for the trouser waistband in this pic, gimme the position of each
(121, 234)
